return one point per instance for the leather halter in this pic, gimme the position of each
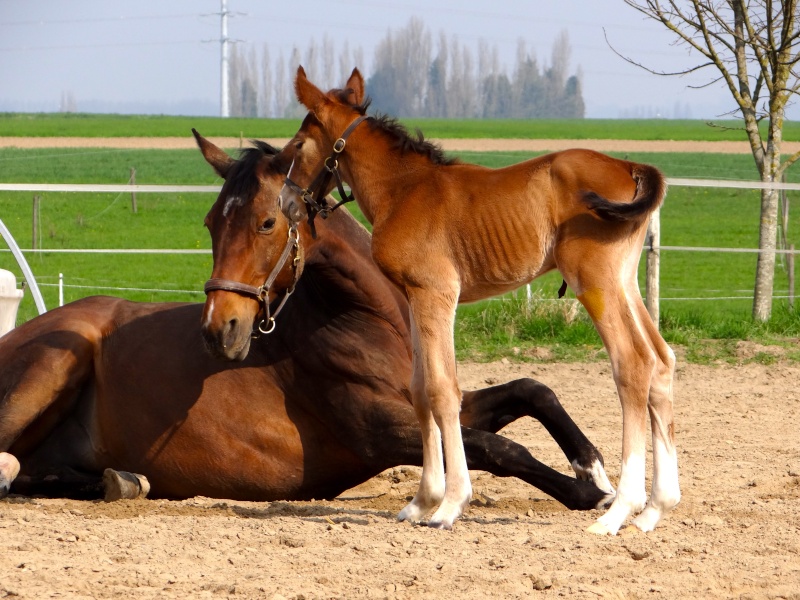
(267, 324)
(330, 168)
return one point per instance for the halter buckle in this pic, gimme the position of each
(270, 328)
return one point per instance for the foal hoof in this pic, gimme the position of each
(598, 528)
(440, 525)
(9, 469)
(121, 485)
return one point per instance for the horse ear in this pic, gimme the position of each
(216, 157)
(308, 94)
(356, 83)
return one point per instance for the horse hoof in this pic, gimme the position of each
(9, 469)
(440, 525)
(598, 528)
(120, 485)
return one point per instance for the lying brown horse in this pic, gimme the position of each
(308, 411)
(447, 232)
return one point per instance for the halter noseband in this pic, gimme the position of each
(267, 324)
(330, 168)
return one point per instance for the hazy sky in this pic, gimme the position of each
(163, 56)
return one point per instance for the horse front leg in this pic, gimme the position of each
(493, 408)
(9, 469)
(36, 375)
(436, 392)
(505, 458)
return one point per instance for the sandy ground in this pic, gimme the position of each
(736, 534)
(452, 145)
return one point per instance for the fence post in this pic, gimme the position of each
(790, 269)
(35, 242)
(133, 193)
(653, 241)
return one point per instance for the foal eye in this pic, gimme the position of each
(267, 225)
(298, 145)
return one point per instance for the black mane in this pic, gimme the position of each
(403, 140)
(243, 180)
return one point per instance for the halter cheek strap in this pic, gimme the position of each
(314, 195)
(267, 324)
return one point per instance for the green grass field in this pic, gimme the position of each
(696, 288)
(91, 125)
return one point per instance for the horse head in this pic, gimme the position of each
(256, 251)
(322, 138)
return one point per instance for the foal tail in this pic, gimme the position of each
(650, 190)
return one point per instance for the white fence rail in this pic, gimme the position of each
(652, 246)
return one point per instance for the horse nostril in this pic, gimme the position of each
(294, 212)
(229, 336)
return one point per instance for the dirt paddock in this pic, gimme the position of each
(736, 534)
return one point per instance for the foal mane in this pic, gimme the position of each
(403, 141)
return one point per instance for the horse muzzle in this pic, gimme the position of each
(292, 205)
(226, 333)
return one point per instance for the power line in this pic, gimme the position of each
(95, 20)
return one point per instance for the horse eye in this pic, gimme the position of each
(268, 225)
(298, 145)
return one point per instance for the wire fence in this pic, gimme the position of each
(191, 189)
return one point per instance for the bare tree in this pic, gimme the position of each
(281, 92)
(265, 85)
(235, 78)
(312, 61)
(753, 45)
(293, 107)
(436, 99)
(346, 63)
(400, 73)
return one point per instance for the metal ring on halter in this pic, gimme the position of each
(335, 164)
(271, 322)
(339, 147)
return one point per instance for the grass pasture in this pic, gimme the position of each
(96, 125)
(699, 290)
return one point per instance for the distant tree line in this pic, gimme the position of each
(413, 77)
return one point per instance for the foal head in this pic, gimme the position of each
(321, 137)
(255, 260)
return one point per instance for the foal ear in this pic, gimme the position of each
(356, 83)
(216, 157)
(308, 94)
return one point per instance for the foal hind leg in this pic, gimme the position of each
(493, 408)
(632, 362)
(665, 493)
(433, 319)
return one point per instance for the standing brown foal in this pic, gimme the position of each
(447, 232)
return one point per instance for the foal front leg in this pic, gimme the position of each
(432, 482)
(436, 394)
